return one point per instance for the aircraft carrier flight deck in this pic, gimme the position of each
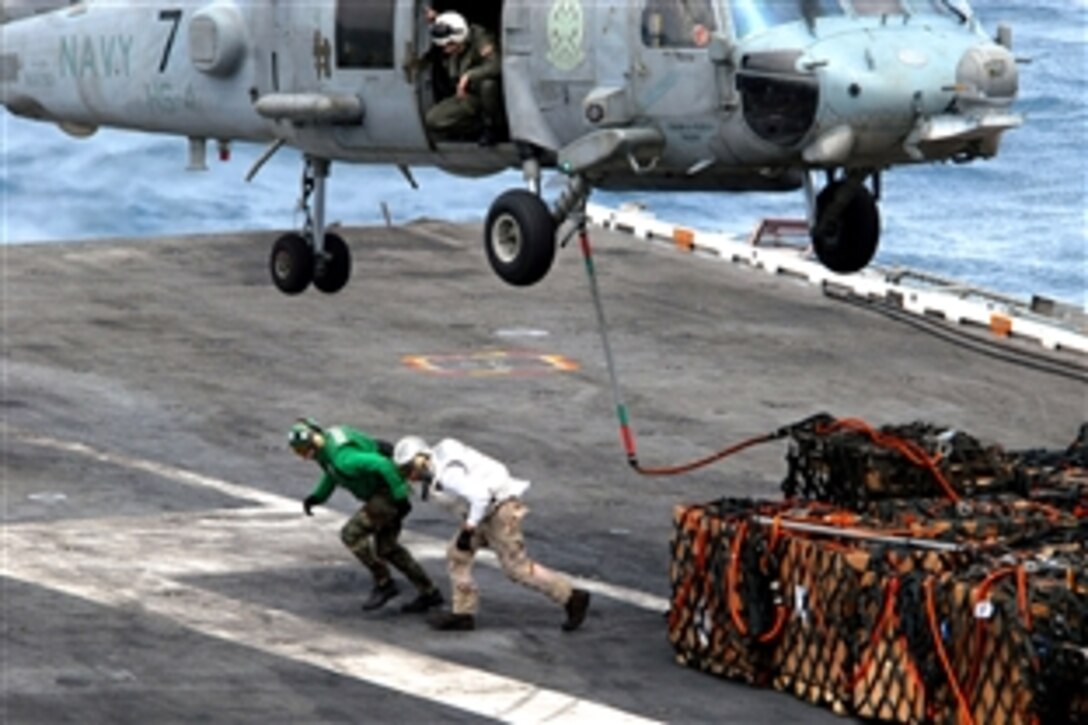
(156, 562)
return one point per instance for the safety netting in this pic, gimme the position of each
(911, 574)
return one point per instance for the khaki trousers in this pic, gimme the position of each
(501, 532)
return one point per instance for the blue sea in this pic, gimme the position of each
(1016, 224)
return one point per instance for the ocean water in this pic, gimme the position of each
(1017, 224)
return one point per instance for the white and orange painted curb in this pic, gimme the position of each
(914, 292)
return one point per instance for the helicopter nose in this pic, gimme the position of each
(987, 83)
(987, 74)
(915, 103)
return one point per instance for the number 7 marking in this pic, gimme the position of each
(173, 16)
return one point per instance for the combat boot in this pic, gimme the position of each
(423, 602)
(576, 608)
(380, 594)
(451, 621)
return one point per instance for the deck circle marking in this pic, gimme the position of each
(491, 363)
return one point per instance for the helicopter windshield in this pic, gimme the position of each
(959, 8)
(878, 7)
(755, 16)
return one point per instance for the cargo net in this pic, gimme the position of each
(1001, 521)
(1057, 477)
(848, 463)
(722, 604)
(914, 609)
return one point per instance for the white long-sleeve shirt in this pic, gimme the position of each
(473, 480)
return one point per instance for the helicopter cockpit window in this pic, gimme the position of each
(878, 7)
(364, 33)
(678, 23)
(755, 16)
(960, 8)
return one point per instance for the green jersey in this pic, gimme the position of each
(351, 459)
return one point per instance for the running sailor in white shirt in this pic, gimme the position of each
(488, 498)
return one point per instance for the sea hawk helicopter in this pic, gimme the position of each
(709, 95)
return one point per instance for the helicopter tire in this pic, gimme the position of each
(519, 236)
(848, 243)
(331, 274)
(291, 264)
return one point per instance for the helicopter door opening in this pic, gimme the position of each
(438, 76)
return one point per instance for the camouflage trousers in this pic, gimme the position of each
(501, 532)
(459, 117)
(372, 535)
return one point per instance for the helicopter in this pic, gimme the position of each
(819, 96)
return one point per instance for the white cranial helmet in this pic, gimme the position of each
(407, 449)
(449, 28)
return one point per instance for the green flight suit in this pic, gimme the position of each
(459, 117)
(350, 459)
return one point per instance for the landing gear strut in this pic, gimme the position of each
(844, 222)
(314, 255)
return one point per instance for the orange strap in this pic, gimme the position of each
(731, 576)
(966, 717)
(891, 591)
(908, 449)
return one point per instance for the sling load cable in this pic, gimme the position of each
(823, 423)
(627, 436)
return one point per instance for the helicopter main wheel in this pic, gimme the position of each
(519, 236)
(848, 243)
(334, 271)
(291, 264)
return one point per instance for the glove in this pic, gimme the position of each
(403, 508)
(309, 503)
(464, 540)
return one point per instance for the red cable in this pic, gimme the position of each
(702, 462)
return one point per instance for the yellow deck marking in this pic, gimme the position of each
(491, 363)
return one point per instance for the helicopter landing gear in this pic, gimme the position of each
(519, 236)
(520, 231)
(291, 264)
(315, 255)
(530, 166)
(334, 271)
(845, 223)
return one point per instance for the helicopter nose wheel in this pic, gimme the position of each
(519, 236)
(291, 264)
(846, 240)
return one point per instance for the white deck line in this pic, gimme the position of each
(97, 560)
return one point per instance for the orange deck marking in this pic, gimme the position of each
(491, 363)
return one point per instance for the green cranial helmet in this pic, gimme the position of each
(301, 436)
